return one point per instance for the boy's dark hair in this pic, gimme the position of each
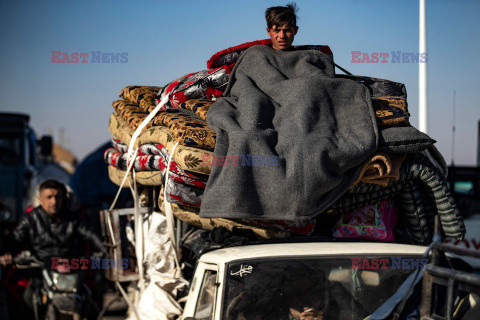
(279, 16)
(53, 184)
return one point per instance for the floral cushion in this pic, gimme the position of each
(375, 222)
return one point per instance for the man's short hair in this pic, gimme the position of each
(53, 184)
(280, 16)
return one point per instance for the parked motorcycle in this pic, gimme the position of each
(61, 294)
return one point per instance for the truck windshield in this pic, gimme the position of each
(339, 288)
(10, 148)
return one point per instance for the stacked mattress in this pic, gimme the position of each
(404, 166)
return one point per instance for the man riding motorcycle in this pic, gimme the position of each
(50, 230)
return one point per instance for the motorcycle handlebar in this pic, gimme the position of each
(30, 262)
(27, 262)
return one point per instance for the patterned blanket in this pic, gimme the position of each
(178, 193)
(142, 96)
(185, 129)
(198, 106)
(390, 111)
(187, 158)
(152, 157)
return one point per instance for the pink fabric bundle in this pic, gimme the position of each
(375, 222)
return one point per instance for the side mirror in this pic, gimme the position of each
(45, 145)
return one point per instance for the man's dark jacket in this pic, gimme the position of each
(49, 237)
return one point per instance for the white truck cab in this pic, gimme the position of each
(343, 280)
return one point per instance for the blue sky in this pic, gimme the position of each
(167, 39)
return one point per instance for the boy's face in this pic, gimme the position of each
(282, 36)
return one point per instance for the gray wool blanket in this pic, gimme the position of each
(290, 137)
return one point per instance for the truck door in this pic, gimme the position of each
(201, 300)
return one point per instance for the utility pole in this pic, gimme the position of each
(478, 145)
(453, 131)
(422, 72)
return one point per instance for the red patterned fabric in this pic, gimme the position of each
(152, 157)
(194, 86)
(213, 93)
(230, 55)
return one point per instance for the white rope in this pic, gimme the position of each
(109, 220)
(143, 124)
(139, 239)
(125, 296)
(110, 228)
(131, 155)
(123, 182)
(169, 210)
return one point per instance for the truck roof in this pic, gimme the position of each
(13, 122)
(222, 256)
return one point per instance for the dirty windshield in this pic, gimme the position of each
(335, 288)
